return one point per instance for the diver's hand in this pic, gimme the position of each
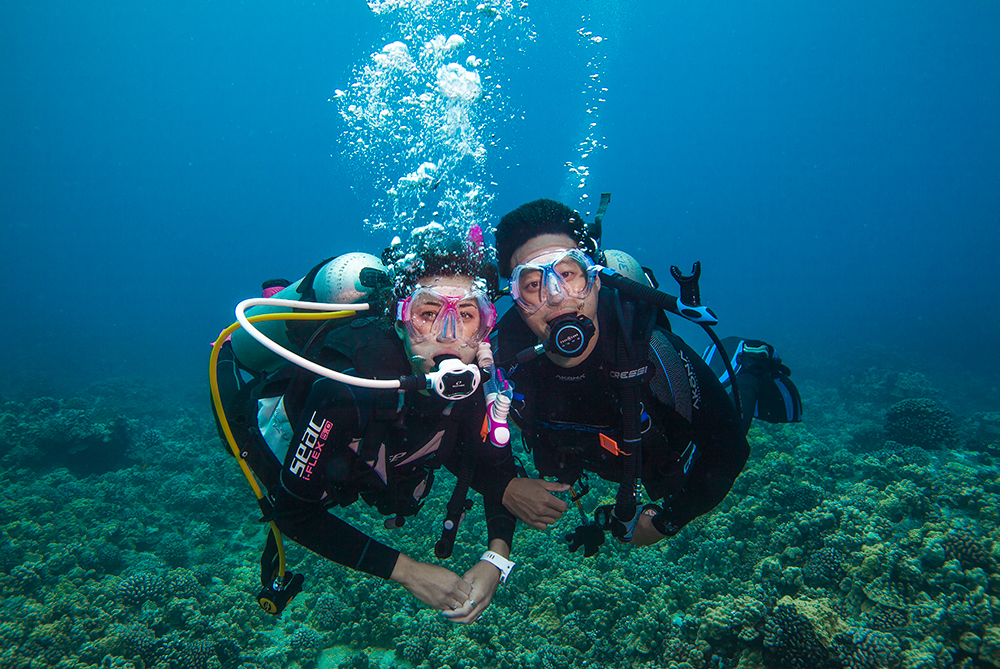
(645, 534)
(589, 535)
(435, 586)
(532, 501)
(484, 579)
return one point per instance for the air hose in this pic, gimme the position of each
(453, 380)
(278, 586)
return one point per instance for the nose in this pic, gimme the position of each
(554, 294)
(449, 327)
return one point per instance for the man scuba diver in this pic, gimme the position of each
(602, 385)
(315, 442)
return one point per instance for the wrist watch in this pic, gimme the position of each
(500, 562)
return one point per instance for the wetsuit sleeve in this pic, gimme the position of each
(719, 437)
(329, 420)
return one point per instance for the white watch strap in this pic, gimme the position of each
(500, 562)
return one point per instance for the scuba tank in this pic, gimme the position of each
(346, 279)
(627, 266)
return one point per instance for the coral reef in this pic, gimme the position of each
(919, 422)
(48, 433)
(865, 538)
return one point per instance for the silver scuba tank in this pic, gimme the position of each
(627, 266)
(343, 280)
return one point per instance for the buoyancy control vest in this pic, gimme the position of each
(268, 409)
(571, 441)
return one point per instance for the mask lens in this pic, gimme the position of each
(550, 278)
(465, 317)
(572, 274)
(529, 284)
(423, 311)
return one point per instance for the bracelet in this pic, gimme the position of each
(500, 562)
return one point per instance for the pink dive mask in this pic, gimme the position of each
(447, 313)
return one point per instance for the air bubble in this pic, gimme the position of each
(418, 101)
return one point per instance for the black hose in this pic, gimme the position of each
(729, 369)
(670, 303)
(457, 506)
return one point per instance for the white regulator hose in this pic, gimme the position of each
(297, 359)
(453, 380)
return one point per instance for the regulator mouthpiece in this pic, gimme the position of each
(454, 380)
(569, 335)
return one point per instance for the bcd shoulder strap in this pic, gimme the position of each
(671, 386)
(374, 354)
(627, 327)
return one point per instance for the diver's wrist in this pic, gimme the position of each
(500, 562)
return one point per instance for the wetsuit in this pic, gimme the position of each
(341, 442)
(693, 445)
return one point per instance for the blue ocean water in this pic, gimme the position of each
(834, 166)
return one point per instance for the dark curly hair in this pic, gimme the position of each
(538, 218)
(436, 249)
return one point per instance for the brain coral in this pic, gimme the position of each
(963, 545)
(919, 422)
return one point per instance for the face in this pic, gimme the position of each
(445, 315)
(539, 303)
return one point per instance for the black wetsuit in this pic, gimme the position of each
(348, 442)
(693, 445)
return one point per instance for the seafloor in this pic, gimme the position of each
(864, 537)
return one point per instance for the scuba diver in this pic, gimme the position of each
(602, 385)
(316, 443)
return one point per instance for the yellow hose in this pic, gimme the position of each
(213, 380)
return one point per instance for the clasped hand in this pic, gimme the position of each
(461, 599)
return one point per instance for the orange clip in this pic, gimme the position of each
(609, 444)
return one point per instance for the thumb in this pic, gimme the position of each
(552, 486)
